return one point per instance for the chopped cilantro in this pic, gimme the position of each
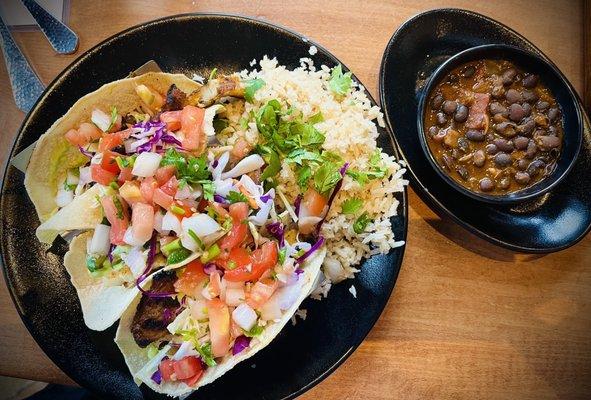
(236, 197)
(208, 189)
(326, 177)
(251, 86)
(191, 169)
(300, 155)
(361, 223)
(303, 175)
(282, 254)
(243, 122)
(254, 331)
(273, 165)
(118, 206)
(352, 205)
(316, 118)
(205, 353)
(340, 83)
(113, 118)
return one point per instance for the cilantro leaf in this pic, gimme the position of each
(298, 156)
(236, 197)
(208, 189)
(273, 166)
(254, 331)
(352, 205)
(205, 353)
(316, 118)
(251, 86)
(361, 223)
(303, 175)
(340, 83)
(190, 169)
(326, 177)
(113, 118)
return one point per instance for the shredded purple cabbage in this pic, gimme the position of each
(110, 255)
(299, 271)
(85, 152)
(157, 377)
(312, 250)
(215, 163)
(297, 203)
(210, 268)
(168, 315)
(241, 343)
(219, 199)
(265, 198)
(144, 275)
(278, 231)
(161, 135)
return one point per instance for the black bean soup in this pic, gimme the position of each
(493, 127)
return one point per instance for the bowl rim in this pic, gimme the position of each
(513, 197)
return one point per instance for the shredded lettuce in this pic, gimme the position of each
(326, 177)
(251, 86)
(340, 83)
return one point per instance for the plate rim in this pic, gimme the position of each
(423, 192)
(403, 206)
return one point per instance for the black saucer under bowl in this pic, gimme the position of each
(551, 222)
(552, 79)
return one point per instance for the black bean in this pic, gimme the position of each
(529, 81)
(530, 96)
(531, 150)
(479, 158)
(498, 118)
(548, 142)
(449, 107)
(441, 134)
(539, 132)
(433, 131)
(553, 131)
(463, 172)
(491, 149)
(463, 144)
(498, 92)
(520, 142)
(441, 119)
(437, 101)
(527, 127)
(542, 105)
(448, 162)
(527, 108)
(474, 135)
(468, 71)
(461, 114)
(516, 112)
(504, 183)
(486, 184)
(508, 76)
(553, 113)
(522, 164)
(522, 177)
(534, 167)
(513, 96)
(502, 159)
(497, 108)
(504, 145)
(506, 129)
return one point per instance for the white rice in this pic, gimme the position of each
(350, 129)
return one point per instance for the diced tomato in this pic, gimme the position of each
(112, 140)
(238, 212)
(109, 163)
(163, 174)
(85, 134)
(100, 175)
(261, 292)
(166, 369)
(75, 138)
(187, 367)
(193, 380)
(238, 257)
(313, 202)
(147, 188)
(192, 127)
(215, 284)
(220, 210)
(261, 260)
(171, 186)
(162, 199)
(219, 327)
(191, 279)
(240, 149)
(142, 221)
(202, 205)
(125, 175)
(117, 217)
(172, 119)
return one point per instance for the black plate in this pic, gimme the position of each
(552, 222)
(301, 356)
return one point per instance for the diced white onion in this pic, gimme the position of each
(101, 119)
(246, 165)
(130, 239)
(63, 197)
(183, 193)
(224, 187)
(251, 187)
(146, 164)
(71, 178)
(158, 216)
(100, 242)
(271, 310)
(170, 222)
(198, 310)
(210, 114)
(135, 259)
(187, 349)
(131, 145)
(179, 322)
(202, 225)
(232, 285)
(97, 158)
(333, 270)
(244, 316)
(234, 296)
(288, 295)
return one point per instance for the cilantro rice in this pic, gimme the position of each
(349, 124)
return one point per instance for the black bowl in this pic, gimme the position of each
(552, 78)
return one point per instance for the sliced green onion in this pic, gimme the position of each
(168, 248)
(231, 265)
(196, 239)
(210, 253)
(177, 210)
(114, 185)
(177, 256)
